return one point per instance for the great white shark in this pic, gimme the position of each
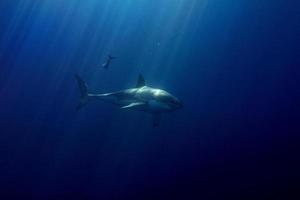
(141, 97)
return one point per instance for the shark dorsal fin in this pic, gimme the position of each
(140, 82)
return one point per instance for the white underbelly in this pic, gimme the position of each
(155, 106)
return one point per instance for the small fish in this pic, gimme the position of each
(108, 61)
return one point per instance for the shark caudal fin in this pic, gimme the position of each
(83, 88)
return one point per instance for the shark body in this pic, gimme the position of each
(142, 98)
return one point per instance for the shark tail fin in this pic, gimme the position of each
(83, 88)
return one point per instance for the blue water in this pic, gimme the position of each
(234, 65)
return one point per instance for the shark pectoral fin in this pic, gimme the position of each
(133, 105)
(156, 120)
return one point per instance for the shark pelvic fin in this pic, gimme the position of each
(132, 105)
(141, 81)
(156, 120)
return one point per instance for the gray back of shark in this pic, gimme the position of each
(142, 98)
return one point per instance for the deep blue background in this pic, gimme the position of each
(234, 64)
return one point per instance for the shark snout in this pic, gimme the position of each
(180, 104)
(177, 104)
